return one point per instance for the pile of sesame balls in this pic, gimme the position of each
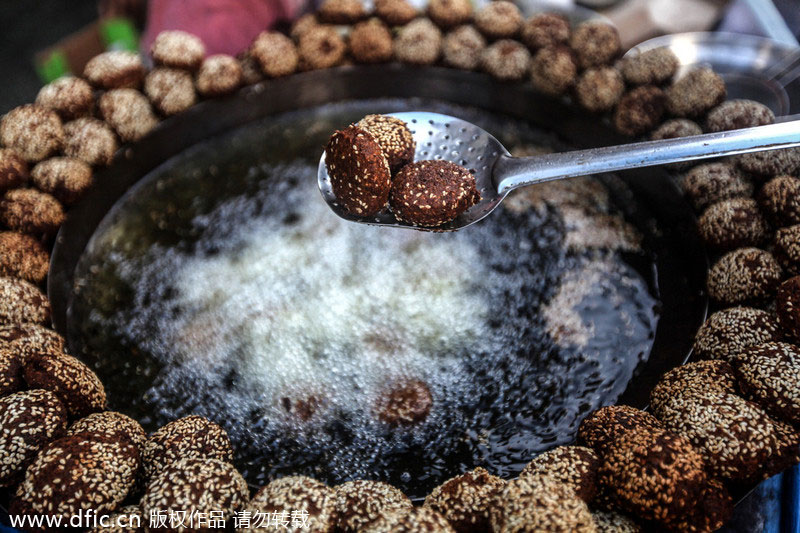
(728, 419)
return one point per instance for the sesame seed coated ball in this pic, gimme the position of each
(465, 501)
(68, 96)
(11, 378)
(31, 211)
(599, 89)
(788, 307)
(13, 169)
(298, 493)
(359, 172)
(302, 25)
(66, 178)
(499, 19)
(746, 275)
(22, 256)
(78, 388)
(419, 42)
(545, 29)
(700, 375)
(653, 473)
(111, 425)
(639, 110)
(736, 437)
(732, 224)
(506, 60)
(695, 93)
(371, 42)
(404, 402)
(652, 67)
(432, 193)
(126, 519)
(117, 69)
(728, 332)
(359, 504)
(712, 511)
(553, 70)
(32, 131)
(193, 436)
(275, 53)
(614, 522)
(77, 473)
(22, 302)
(780, 200)
(341, 11)
(713, 182)
(462, 48)
(595, 44)
(170, 90)
(321, 47)
(90, 140)
(768, 375)
(605, 425)
(219, 74)
(28, 421)
(393, 136)
(575, 466)
(675, 128)
(178, 49)
(129, 113)
(417, 520)
(540, 503)
(771, 162)
(787, 249)
(29, 339)
(395, 12)
(738, 114)
(450, 13)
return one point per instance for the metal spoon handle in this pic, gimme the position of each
(513, 172)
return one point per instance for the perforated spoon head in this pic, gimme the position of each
(438, 137)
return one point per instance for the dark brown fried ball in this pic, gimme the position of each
(732, 224)
(605, 425)
(359, 171)
(432, 193)
(770, 163)
(465, 500)
(419, 43)
(117, 69)
(341, 11)
(393, 136)
(110, 425)
(29, 420)
(653, 473)
(708, 184)
(599, 89)
(729, 332)
(78, 388)
(695, 93)
(32, 131)
(90, 140)
(545, 29)
(417, 520)
(275, 53)
(21, 302)
(178, 49)
(700, 375)
(553, 70)
(13, 170)
(506, 60)
(68, 96)
(321, 47)
(640, 110)
(30, 339)
(404, 402)
(462, 48)
(302, 494)
(652, 67)
(450, 13)
(22, 256)
(675, 128)
(170, 90)
(711, 512)
(395, 12)
(360, 504)
(499, 19)
(768, 375)
(66, 178)
(129, 113)
(595, 44)
(788, 307)
(191, 436)
(575, 466)
(218, 75)
(371, 42)
(787, 249)
(738, 114)
(31, 211)
(780, 200)
(744, 276)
